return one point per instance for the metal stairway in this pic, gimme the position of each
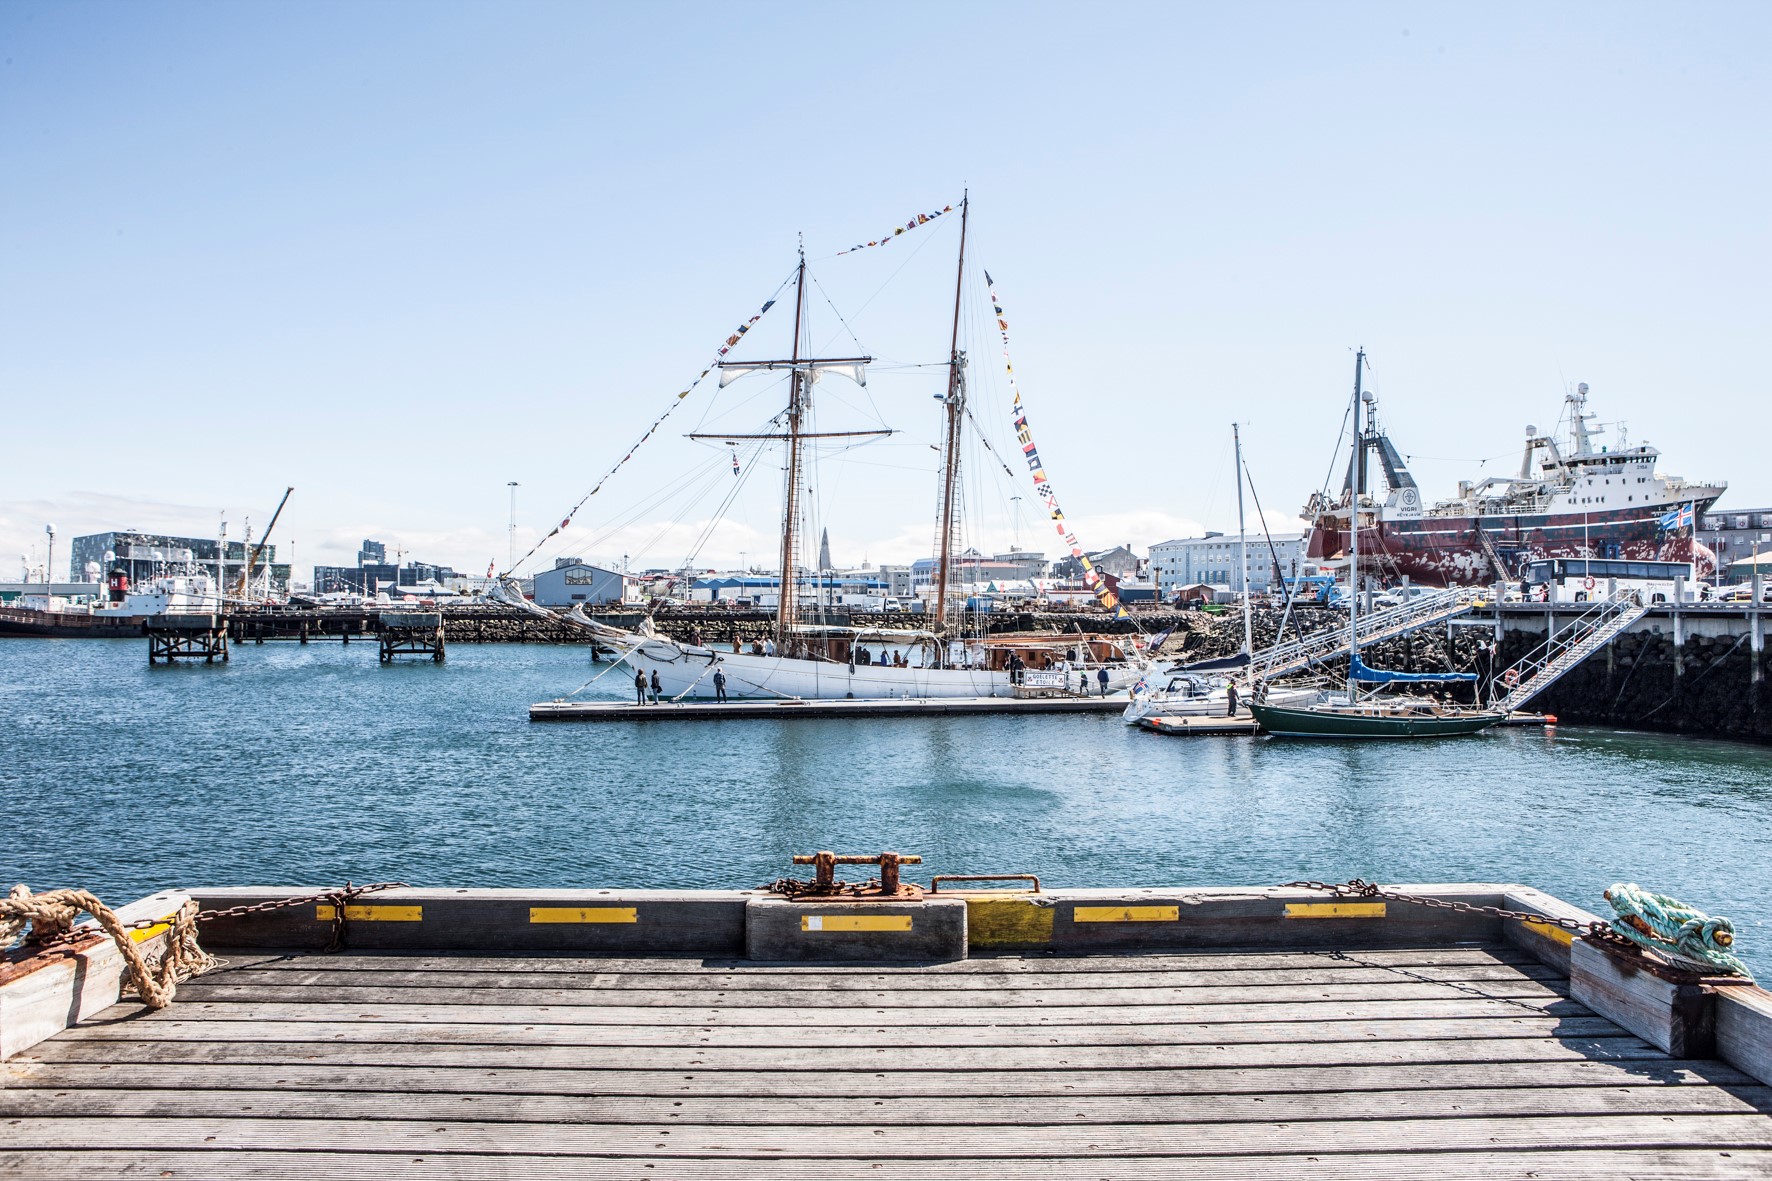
(1421, 612)
(1494, 557)
(1590, 632)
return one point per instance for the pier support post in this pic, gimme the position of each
(1756, 636)
(1679, 639)
(1673, 1011)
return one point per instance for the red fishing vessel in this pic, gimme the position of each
(1570, 499)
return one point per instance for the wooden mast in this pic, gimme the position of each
(1353, 518)
(950, 453)
(784, 614)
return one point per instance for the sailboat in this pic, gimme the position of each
(1203, 688)
(814, 661)
(1347, 714)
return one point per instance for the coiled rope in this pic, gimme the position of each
(1670, 927)
(50, 917)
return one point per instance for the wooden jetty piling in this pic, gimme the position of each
(187, 637)
(1270, 1034)
(411, 633)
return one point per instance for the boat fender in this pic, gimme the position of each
(1511, 677)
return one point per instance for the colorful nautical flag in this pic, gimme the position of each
(1092, 578)
(913, 223)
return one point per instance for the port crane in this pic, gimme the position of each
(253, 551)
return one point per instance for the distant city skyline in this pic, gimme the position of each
(400, 256)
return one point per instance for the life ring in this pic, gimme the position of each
(1588, 582)
(1511, 677)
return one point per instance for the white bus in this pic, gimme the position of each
(1581, 579)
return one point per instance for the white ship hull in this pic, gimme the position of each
(688, 672)
(1215, 704)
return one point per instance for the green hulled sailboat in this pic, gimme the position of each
(1377, 714)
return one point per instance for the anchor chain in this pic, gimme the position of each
(1360, 888)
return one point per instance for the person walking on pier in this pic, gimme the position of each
(719, 685)
(640, 687)
(1230, 696)
(1102, 676)
(657, 688)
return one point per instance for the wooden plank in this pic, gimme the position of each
(1744, 1029)
(43, 992)
(310, 974)
(258, 1029)
(1455, 1005)
(1039, 963)
(819, 1058)
(700, 1142)
(148, 1070)
(1677, 1017)
(1564, 1165)
(885, 996)
(806, 1112)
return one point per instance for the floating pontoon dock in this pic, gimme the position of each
(1266, 1034)
(702, 710)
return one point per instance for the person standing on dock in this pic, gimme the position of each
(1230, 697)
(1102, 676)
(657, 688)
(640, 687)
(719, 685)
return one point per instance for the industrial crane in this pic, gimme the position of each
(253, 552)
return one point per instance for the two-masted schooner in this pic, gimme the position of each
(810, 660)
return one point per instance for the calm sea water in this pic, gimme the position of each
(307, 766)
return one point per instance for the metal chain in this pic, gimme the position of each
(1360, 888)
(339, 899)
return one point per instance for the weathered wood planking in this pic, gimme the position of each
(1564, 1165)
(141, 1070)
(794, 1057)
(991, 1110)
(1457, 1064)
(1060, 1034)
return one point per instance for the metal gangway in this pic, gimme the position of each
(1422, 611)
(1590, 631)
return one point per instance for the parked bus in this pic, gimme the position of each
(1581, 579)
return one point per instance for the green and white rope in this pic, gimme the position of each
(1673, 929)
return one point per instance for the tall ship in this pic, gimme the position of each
(807, 659)
(1572, 498)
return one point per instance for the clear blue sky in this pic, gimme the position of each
(399, 254)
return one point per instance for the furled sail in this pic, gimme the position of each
(854, 370)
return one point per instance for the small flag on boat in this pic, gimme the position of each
(1680, 518)
(735, 461)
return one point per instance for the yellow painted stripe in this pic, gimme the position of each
(855, 922)
(1335, 910)
(373, 914)
(583, 914)
(1554, 934)
(143, 934)
(1008, 922)
(1126, 914)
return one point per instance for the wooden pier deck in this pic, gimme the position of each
(1434, 1062)
(907, 707)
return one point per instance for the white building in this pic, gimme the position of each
(1217, 558)
(571, 582)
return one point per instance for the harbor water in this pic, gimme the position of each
(309, 765)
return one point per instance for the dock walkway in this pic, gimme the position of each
(1441, 1062)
